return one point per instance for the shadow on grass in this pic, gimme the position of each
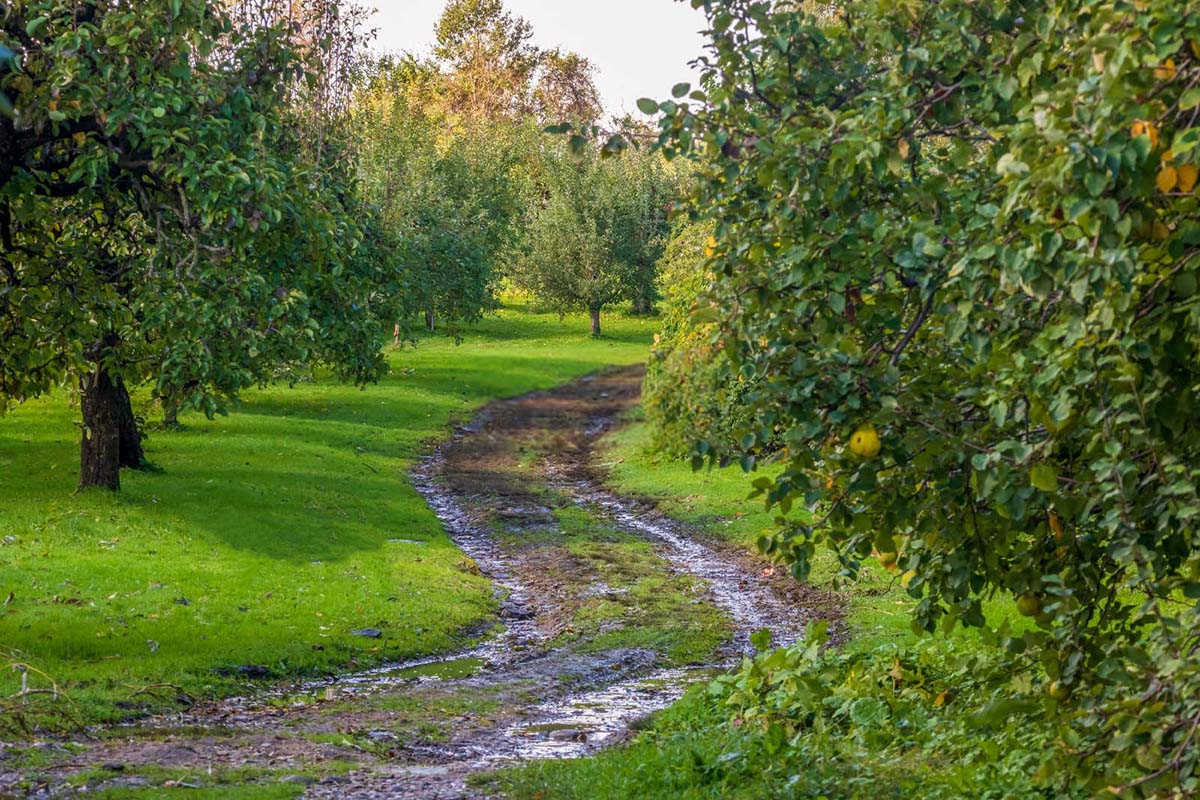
(313, 472)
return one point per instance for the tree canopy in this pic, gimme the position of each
(970, 229)
(164, 218)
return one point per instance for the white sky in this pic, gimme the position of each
(640, 47)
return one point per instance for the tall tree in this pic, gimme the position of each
(490, 59)
(565, 89)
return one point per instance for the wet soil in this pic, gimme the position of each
(607, 611)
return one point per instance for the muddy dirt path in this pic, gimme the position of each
(608, 610)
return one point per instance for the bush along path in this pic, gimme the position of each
(608, 611)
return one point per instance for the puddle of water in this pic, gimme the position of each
(597, 718)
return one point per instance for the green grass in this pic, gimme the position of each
(716, 501)
(268, 535)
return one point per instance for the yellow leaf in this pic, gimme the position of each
(1098, 61)
(1166, 70)
(1056, 526)
(1187, 177)
(1145, 128)
(940, 700)
(1166, 180)
(903, 147)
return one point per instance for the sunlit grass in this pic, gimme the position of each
(265, 537)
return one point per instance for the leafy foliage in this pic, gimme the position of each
(973, 226)
(596, 231)
(692, 393)
(942, 721)
(165, 218)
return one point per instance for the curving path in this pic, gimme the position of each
(609, 610)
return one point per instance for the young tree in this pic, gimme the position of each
(596, 230)
(153, 202)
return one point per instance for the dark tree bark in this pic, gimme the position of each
(170, 415)
(595, 321)
(111, 438)
(429, 318)
(100, 445)
(131, 453)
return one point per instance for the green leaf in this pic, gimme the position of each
(647, 106)
(1044, 477)
(680, 89)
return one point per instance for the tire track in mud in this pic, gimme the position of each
(530, 690)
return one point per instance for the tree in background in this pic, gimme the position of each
(956, 249)
(163, 219)
(640, 226)
(489, 60)
(565, 89)
(598, 233)
(451, 153)
(449, 189)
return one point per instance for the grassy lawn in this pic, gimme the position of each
(268, 536)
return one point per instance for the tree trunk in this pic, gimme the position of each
(100, 446)
(641, 302)
(131, 454)
(170, 413)
(429, 320)
(595, 321)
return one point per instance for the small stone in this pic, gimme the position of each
(516, 610)
(569, 735)
(302, 780)
(370, 633)
(381, 736)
